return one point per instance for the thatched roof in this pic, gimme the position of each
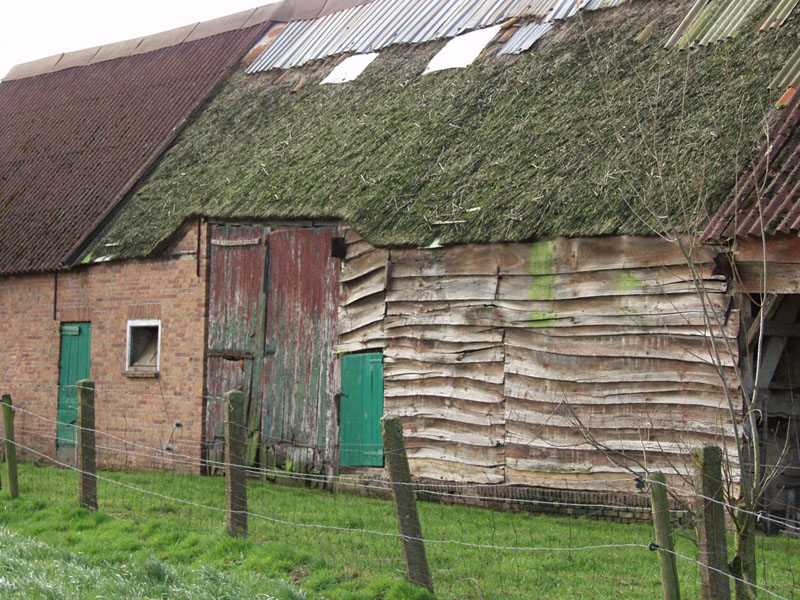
(592, 132)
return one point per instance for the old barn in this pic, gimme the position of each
(493, 219)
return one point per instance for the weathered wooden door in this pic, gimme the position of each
(303, 291)
(360, 412)
(236, 301)
(74, 365)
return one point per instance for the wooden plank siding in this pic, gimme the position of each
(501, 357)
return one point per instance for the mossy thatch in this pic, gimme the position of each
(590, 133)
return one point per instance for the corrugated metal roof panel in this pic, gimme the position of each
(765, 199)
(778, 14)
(374, 26)
(789, 74)
(525, 37)
(709, 22)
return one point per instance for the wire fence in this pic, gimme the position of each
(473, 553)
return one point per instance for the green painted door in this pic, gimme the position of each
(361, 409)
(74, 365)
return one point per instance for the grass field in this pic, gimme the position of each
(146, 545)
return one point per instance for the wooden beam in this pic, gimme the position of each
(768, 307)
(773, 347)
(780, 404)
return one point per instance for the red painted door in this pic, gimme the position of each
(236, 301)
(302, 297)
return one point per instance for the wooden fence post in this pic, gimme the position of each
(663, 527)
(235, 472)
(405, 503)
(86, 451)
(10, 446)
(709, 516)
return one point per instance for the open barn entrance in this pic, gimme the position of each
(771, 361)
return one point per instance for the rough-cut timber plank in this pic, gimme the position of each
(370, 336)
(621, 426)
(562, 367)
(622, 252)
(443, 352)
(431, 289)
(356, 249)
(447, 333)
(642, 414)
(455, 470)
(471, 259)
(520, 442)
(642, 311)
(364, 264)
(730, 329)
(490, 372)
(568, 256)
(547, 390)
(453, 409)
(446, 387)
(782, 278)
(779, 249)
(361, 313)
(356, 289)
(690, 349)
(627, 282)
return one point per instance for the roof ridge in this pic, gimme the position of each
(282, 11)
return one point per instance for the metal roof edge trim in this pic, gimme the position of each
(278, 11)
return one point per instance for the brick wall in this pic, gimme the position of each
(143, 412)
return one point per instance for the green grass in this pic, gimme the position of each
(146, 546)
(33, 569)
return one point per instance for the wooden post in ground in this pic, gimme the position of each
(405, 503)
(10, 446)
(663, 527)
(235, 471)
(709, 517)
(86, 451)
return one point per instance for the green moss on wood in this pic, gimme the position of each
(626, 281)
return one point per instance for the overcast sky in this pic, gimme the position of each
(31, 30)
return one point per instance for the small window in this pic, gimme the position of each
(144, 343)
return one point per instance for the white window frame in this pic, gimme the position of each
(142, 323)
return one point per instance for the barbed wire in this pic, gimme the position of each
(385, 534)
(433, 489)
(725, 573)
(327, 527)
(383, 485)
(760, 515)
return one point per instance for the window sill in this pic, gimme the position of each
(143, 374)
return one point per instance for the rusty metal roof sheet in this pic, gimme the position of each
(780, 11)
(382, 23)
(73, 141)
(765, 199)
(525, 37)
(711, 21)
(789, 74)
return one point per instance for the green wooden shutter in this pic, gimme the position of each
(361, 409)
(74, 365)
